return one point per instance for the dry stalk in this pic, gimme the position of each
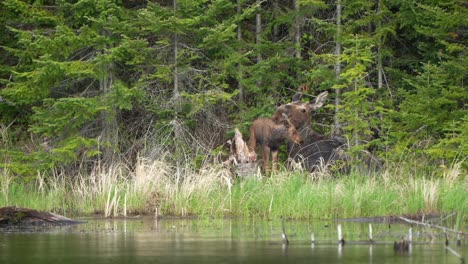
(321, 171)
(112, 205)
(5, 182)
(430, 191)
(452, 174)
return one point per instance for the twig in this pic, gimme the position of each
(270, 208)
(125, 206)
(455, 253)
(448, 216)
(429, 225)
(285, 238)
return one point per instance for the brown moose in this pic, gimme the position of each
(270, 135)
(315, 147)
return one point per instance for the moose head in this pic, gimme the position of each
(315, 147)
(298, 112)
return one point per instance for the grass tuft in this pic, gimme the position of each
(157, 187)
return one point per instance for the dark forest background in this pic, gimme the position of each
(84, 82)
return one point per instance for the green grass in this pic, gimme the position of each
(212, 191)
(296, 196)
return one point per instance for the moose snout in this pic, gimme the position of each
(298, 141)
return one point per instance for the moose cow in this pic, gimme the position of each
(270, 135)
(315, 147)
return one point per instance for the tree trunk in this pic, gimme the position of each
(379, 52)
(241, 158)
(109, 122)
(258, 32)
(356, 112)
(109, 135)
(13, 215)
(275, 16)
(176, 104)
(297, 31)
(258, 36)
(338, 66)
(176, 93)
(239, 70)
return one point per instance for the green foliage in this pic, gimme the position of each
(64, 116)
(432, 106)
(73, 148)
(98, 79)
(121, 97)
(68, 77)
(454, 145)
(358, 111)
(202, 100)
(25, 164)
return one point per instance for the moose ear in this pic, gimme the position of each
(304, 87)
(319, 101)
(297, 97)
(277, 116)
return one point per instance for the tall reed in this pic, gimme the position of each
(157, 186)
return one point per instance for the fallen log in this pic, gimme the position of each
(432, 226)
(13, 215)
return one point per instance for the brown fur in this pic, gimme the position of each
(270, 135)
(299, 113)
(315, 147)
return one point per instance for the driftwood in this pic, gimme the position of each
(13, 215)
(241, 158)
(431, 226)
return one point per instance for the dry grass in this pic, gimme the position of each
(161, 188)
(453, 173)
(5, 183)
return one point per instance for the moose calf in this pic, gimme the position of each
(270, 135)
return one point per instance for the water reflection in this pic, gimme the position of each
(217, 241)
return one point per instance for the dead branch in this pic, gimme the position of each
(431, 226)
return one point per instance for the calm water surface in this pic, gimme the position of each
(217, 241)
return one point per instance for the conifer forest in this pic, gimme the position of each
(87, 83)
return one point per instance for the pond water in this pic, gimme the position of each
(146, 240)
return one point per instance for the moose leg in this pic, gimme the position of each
(274, 158)
(266, 158)
(252, 140)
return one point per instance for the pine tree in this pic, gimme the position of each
(66, 82)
